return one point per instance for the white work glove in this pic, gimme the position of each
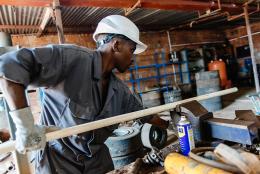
(28, 136)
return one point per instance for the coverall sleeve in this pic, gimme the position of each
(134, 103)
(42, 66)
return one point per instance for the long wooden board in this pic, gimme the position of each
(10, 146)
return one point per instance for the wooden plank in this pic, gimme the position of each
(21, 163)
(19, 27)
(21, 160)
(33, 3)
(58, 21)
(46, 18)
(74, 130)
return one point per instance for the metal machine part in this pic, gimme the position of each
(239, 131)
(243, 130)
(195, 113)
(154, 157)
(255, 148)
(153, 136)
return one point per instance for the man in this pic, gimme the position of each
(80, 88)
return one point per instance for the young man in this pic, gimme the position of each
(80, 88)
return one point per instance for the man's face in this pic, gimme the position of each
(125, 57)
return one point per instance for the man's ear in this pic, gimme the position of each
(116, 45)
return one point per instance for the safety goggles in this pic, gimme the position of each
(109, 37)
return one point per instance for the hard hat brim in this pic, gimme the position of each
(140, 47)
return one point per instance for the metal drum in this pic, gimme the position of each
(152, 98)
(208, 82)
(172, 95)
(5, 39)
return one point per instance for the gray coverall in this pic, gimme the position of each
(72, 75)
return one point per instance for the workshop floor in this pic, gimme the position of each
(235, 101)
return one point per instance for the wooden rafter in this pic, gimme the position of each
(58, 21)
(46, 18)
(19, 27)
(156, 4)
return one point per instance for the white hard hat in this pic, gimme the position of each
(116, 24)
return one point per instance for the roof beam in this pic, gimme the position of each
(19, 27)
(33, 3)
(186, 5)
(46, 18)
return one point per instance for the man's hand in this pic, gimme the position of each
(157, 121)
(28, 136)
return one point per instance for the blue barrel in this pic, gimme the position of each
(172, 95)
(151, 98)
(5, 39)
(208, 82)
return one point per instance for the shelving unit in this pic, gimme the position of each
(160, 73)
(194, 63)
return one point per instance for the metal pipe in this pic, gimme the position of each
(169, 41)
(251, 46)
(248, 2)
(209, 14)
(242, 14)
(173, 66)
(196, 43)
(255, 33)
(199, 20)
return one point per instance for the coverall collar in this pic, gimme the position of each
(98, 70)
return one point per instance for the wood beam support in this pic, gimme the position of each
(46, 18)
(129, 10)
(184, 5)
(19, 27)
(58, 21)
(251, 46)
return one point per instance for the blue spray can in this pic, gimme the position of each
(186, 138)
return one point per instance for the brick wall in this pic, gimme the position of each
(180, 37)
(33, 41)
(238, 37)
(155, 41)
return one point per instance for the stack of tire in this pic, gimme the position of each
(125, 146)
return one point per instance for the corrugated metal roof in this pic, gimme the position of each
(30, 16)
(88, 17)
